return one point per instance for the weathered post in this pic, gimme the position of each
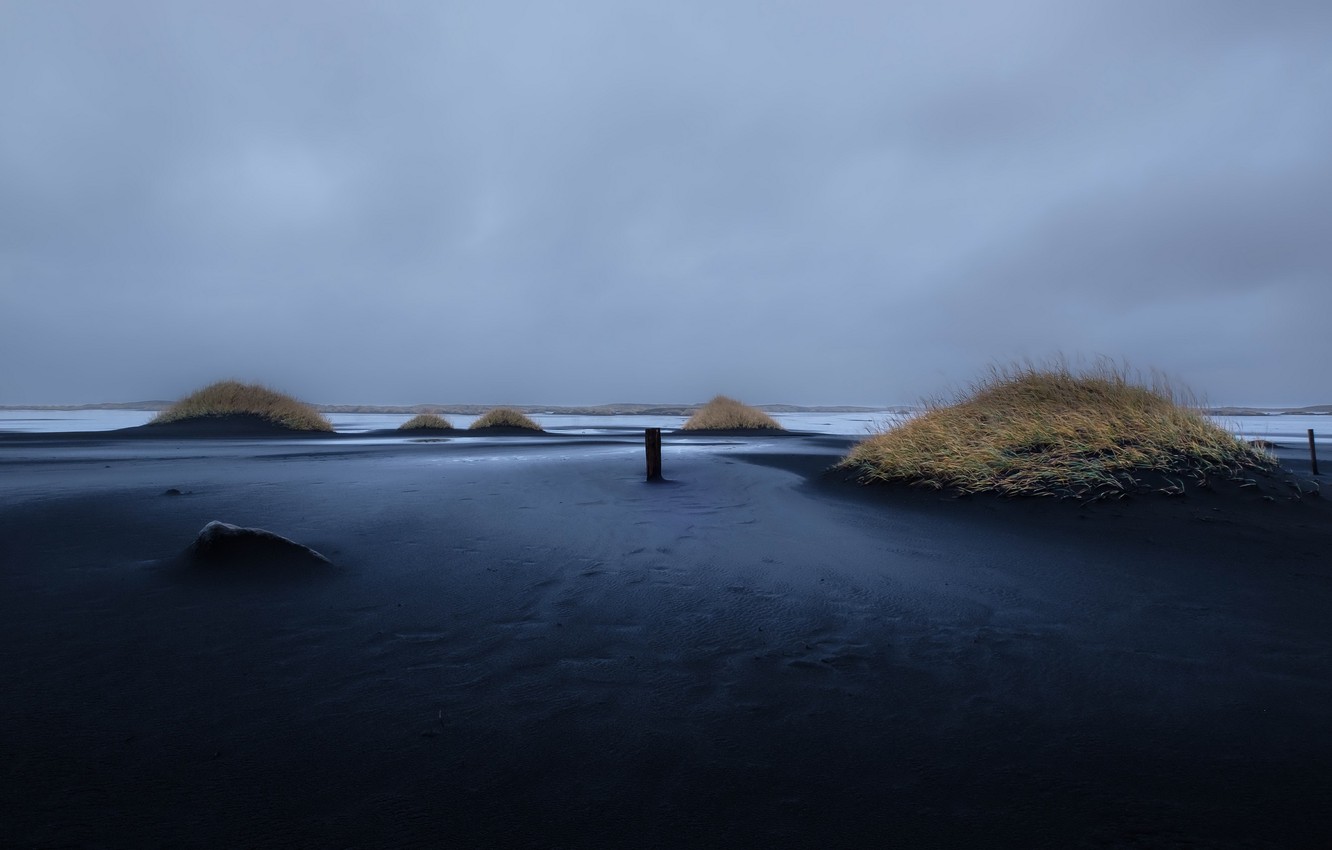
(1313, 455)
(652, 443)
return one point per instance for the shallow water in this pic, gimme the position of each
(1288, 431)
(48, 421)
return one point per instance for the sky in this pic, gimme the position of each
(586, 202)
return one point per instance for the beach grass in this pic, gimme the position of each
(723, 413)
(229, 398)
(505, 417)
(425, 421)
(1028, 430)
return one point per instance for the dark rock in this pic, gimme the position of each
(172, 492)
(220, 542)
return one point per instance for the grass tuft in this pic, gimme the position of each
(505, 417)
(724, 413)
(425, 421)
(227, 398)
(1049, 431)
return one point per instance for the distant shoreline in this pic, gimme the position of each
(477, 409)
(628, 409)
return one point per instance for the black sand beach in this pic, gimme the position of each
(519, 643)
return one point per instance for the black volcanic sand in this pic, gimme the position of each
(524, 645)
(504, 431)
(417, 432)
(491, 431)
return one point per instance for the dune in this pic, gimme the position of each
(240, 404)
(426, 422)
(505, 419)
(1037, 431)
(726, 416)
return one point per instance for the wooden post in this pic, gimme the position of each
(1313, 455)
(652, 442)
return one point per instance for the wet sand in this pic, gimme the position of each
(522, 644)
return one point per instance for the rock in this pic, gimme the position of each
(221, 541)
(172, 492)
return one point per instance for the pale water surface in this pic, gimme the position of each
(1286, 430)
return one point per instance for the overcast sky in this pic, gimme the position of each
(580, 202)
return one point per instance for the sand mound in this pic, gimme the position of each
(228, 398)
(1052, 432)
(505, 417)
(426, 422)
(727, 414)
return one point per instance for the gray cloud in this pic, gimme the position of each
(621, 201)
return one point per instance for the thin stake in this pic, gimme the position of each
(1313, 455)
(652, 444)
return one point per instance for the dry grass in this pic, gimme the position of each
(1042, 431)
(724, 413)
(425, 421)
(228, 398)
(505, 417)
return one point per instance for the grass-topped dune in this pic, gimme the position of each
(426, 422)
(727, 414)
(1031, 431)
(233, 398)
(505, 417)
